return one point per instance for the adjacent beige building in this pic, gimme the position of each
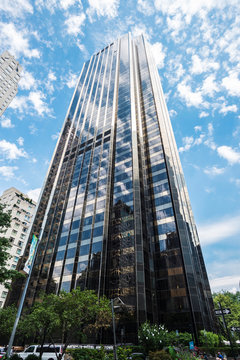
(9, 77)
(22, 209)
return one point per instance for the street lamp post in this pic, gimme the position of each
(114, 331)
(115, 304)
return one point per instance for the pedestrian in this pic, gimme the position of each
(219, 356)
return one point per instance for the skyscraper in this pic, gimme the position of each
(114, 212)
(9, 77)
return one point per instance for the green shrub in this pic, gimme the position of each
(152, 337)
(15, 357)
(87, 354)
(159, 355)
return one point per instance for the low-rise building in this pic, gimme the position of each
(22, 209)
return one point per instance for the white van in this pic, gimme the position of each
(49, 352)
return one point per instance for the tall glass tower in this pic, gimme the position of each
(114, 213)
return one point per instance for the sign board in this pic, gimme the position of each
(191, 345)
(235, 328)
(220, 312)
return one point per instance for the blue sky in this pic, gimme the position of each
(196, 45)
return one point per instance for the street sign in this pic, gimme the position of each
(220, 312)
(235, 328)
(191, 345)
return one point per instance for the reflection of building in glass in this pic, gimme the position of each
(9, 77)
(114, 211)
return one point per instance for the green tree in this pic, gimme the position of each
(231, 301)
(68, 314)
(152, 336)
(7, 318)
(6, 275)
(41, 321)
(81, 311)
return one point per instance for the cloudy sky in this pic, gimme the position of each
(196, 45)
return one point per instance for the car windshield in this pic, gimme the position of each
(49, 349)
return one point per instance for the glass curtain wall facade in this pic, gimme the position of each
(114, 213)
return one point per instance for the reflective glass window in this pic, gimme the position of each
(86, 234)
(60, 255)
(75, 224)
(96, 247)
(66, 285)
(84, 250)
(166, 228)
(71, 253)
(63, 240)
(73, 238)
(98, 231)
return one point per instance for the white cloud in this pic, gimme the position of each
(230, 108)
(188, 143)
(197, 128)
(236, 182)
(232, 83)
(209, 86)
(145, 7)
(51, 76)
(36, 97)
(65, 4)
(49, 83)
(20, 103)
(55, 136)
(20, 141)
(75, 23)
(82, 48)
(210, 129)
(190, 7)
(231, 155)
(172, 112)
(158, 54)
(175, 24)
(209, 142)
(220, 230)
(214, 170)
(27, 81)
(225, 283)
(6, 123)
(16, 41)
(200, 66)
(35, 100)
(10, 151)
(16, 8)
(203, 114)
(8, 171)
(32, 128)
(191, 98)
(108, 8)
(34, 194)
(71, 80)
(141, 29)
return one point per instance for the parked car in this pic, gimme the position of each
(137, 356)
(49, 351)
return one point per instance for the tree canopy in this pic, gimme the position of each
(231, 301)
(66, 316)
